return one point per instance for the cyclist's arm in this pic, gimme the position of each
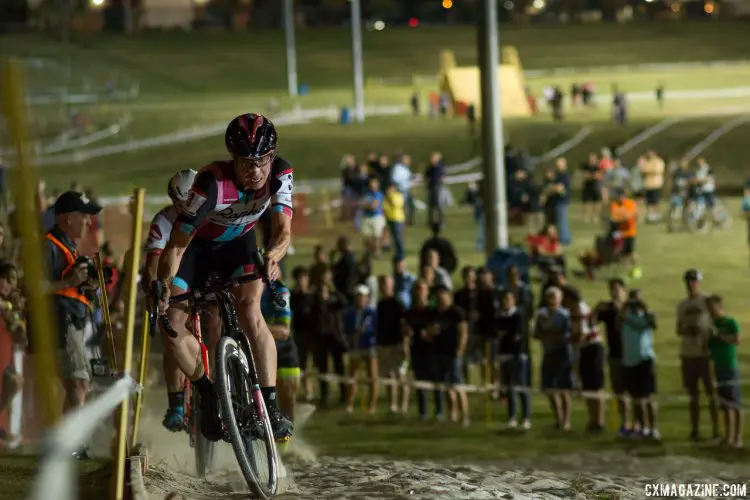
(281, 213)
(157, 239)
(201, 201)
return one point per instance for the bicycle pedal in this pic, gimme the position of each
(283, 439)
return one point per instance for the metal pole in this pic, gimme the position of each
(291, 48)
(359, 80)
(493, 185)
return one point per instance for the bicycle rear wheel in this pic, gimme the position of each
(203, 449)
(245, 417)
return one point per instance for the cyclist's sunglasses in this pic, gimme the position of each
(261, 162)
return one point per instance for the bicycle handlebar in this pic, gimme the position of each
(208, 293)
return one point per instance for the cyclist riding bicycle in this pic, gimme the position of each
(214, 233)
(279, 319)
(161, 227)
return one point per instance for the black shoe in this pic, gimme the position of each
(210, 423)
(281, 425)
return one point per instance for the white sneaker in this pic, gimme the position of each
(512, 423)
(526, 424)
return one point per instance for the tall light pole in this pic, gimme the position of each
(359, 79)
(291, 48)
(493, 185)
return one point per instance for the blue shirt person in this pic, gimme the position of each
(359, 323)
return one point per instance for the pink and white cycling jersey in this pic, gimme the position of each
(161, 227)
(217, 209)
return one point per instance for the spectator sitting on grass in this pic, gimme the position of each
(638, 360)
(608, 312)
(416, 322)
(552, 327)
(360, 329)
(512, 354)
(694, 326)
(723, 345)
(373, 221)
(547, 248)
(450, 333)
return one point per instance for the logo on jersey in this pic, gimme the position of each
(253, 209)
(194, 202)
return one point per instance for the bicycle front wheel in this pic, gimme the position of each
(245, 418)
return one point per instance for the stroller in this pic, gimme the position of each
(605, 256)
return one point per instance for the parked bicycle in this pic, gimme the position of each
(243, 411)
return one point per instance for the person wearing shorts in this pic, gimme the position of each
(373, 219)
(623, 215)
(359, 323)
(277, 311)
(553, 327)
(694, 326)
(591, 192)
(638, 361)
(723, 346)
(450, 336)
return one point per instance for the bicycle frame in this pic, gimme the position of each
(232, 328)
(195, 319)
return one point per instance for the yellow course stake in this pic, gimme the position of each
(143, 370)
(24, 190)
(133, 264)
(105, 313)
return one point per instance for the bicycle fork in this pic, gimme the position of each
(193, 425)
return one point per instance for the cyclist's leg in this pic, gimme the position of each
(239, 255)
(211, 333)
(185, 348)
(288, 376)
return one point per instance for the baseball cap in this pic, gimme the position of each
(693, 275)
(362, 290)
(72, 201)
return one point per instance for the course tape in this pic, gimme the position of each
(490, 388)
(714, 136)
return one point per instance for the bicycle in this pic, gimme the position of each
(700, 218)
(204, 449)
(242, 409)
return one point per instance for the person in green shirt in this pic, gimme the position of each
(723, 346)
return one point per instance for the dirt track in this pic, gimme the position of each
(606, 475)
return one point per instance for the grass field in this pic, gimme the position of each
(175, 63)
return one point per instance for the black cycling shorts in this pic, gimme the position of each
(224, 260)
(286, 352)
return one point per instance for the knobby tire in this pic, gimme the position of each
(235, 385)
